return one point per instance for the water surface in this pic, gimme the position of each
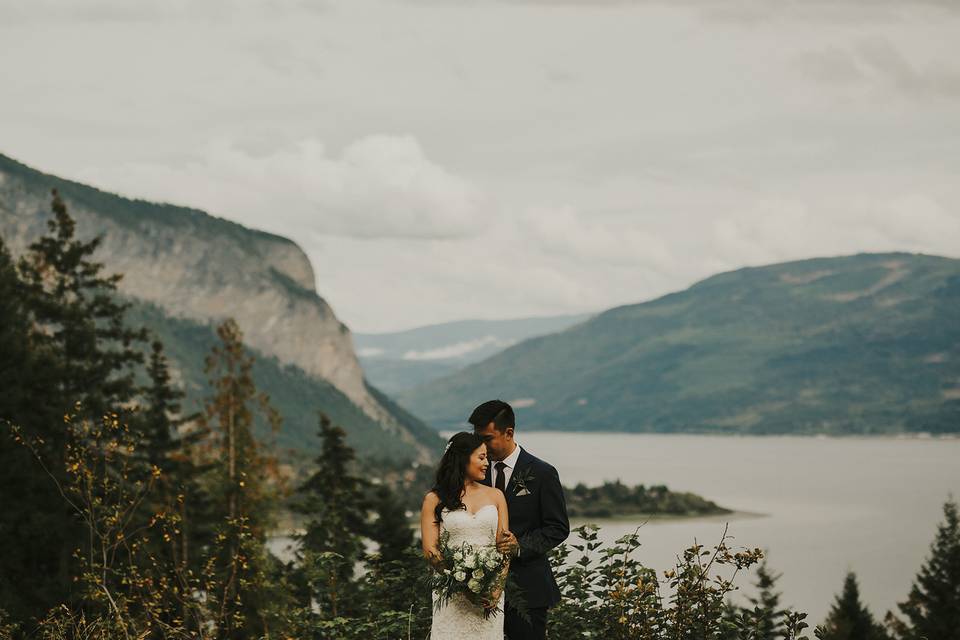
(828, 504)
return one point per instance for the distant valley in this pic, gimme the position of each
(398, 361)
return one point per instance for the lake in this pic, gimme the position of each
(828, 504)
(819, 506)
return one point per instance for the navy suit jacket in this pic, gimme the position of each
(538, 517)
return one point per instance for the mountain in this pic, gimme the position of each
(199, 269)
(405, 359)
(860, 344)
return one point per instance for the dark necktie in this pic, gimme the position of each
(498, 483)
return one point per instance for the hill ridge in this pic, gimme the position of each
(755, 350)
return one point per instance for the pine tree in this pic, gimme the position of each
(14, 340)
(730, 622)
(174, 450)
(335, 503)
(76, 312)
(242, 484)
(395, 577)
(31, 516)
(391, 529)
(78, 351)
(160, 414)
(765, 621)
(177, 516)
(849, 619)
(932, 608)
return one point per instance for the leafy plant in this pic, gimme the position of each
(608, 593)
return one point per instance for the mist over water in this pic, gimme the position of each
(825, 505)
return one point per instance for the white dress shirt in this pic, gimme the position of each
(511, 462)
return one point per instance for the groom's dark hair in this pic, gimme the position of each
(496, 411)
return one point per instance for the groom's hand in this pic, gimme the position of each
(507, 543)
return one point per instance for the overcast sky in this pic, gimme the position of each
(467, 159)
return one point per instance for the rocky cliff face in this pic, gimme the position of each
(203, 268)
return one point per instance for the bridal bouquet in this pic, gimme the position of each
(475, 571)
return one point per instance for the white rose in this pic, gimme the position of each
(492, 564)
(470, 562)
(474, 586)
(477, 573)
(460, 576)
(458, 555)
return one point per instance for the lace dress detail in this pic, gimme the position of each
(459, 619)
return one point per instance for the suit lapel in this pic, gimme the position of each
(487, 481)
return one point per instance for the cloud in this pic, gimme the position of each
(379, 186)
(918, 222)
(877, 62)
(833, 66)
(569, 234)
(457, 350)
(145, 11)
(537, 178)
(780, 230)
(747, 12)
(560, 258)
(96, 11)
(886, 61)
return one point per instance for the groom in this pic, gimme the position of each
(538, 517)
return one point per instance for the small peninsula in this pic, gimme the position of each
(615, 499)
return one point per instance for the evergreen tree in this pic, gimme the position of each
(395, 579)
(765, 621)
(849, 619)
(79, 356)
(31, 516)
(75, 310)
(241, 484)
(178, 501)
(335, 503)
(18, 358)
(391, 528)
(730, 621)
(159, 416)
(932, 608)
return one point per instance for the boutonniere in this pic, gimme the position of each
(521, 482)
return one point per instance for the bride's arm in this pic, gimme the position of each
(503, 517)
(503, 525)
(430, 529)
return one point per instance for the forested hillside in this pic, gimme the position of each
(860, 344)
(185, 270)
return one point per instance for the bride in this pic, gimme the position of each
(471, 512)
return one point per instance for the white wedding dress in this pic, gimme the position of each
(459, 619)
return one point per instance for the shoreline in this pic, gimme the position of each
(668, 517)
(576, 521)
(919, 436)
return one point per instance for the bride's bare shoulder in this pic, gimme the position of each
(431, 499)
(495, 495)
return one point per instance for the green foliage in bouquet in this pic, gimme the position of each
(474, 572)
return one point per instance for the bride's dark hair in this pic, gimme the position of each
(452, 472)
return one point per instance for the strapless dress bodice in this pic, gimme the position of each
(478, 528)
